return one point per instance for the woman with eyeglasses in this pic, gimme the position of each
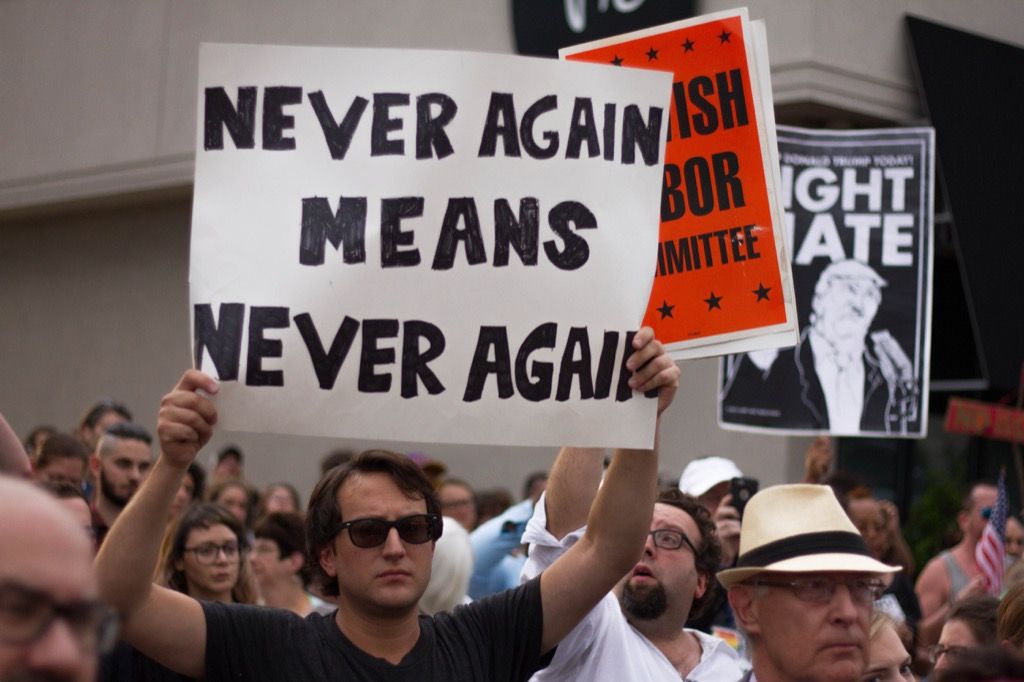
(207, 557)
(971, 624)
(204, 555)
(888, 660)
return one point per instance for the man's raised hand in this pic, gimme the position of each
(186, 418)
(652, 368)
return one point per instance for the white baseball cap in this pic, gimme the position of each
(703, 474)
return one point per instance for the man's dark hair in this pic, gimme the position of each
(324, 514)
(129, 431)
(230, 451)
(102, 407)
(61, 446)
(978, 613)
(709, 551)
(287, 531)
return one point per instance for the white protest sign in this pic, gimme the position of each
(425, 246)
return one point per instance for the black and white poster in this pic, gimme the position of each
(858, 223)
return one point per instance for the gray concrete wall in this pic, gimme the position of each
(106, 88)
(96, 133)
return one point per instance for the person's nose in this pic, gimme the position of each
(393, 545)
(843, 607)
(58, 652)
(649, 545)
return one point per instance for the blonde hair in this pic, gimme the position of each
(1010, 617)
(450, 571)
(879, 619)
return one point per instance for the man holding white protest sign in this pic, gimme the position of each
(379, 575)
(372, 284)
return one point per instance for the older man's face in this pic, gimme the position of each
(846, 308)
(48, 614)
(807, 634)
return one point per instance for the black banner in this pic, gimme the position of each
(544, 26)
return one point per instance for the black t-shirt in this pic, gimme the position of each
(497, 638)
(127, 664)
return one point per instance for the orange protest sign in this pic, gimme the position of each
(722, 280)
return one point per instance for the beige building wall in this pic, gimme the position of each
(97, 126)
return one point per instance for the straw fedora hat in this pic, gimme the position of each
(799, 528)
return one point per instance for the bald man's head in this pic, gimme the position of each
(49, 616)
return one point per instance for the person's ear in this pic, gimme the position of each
(94, 464)
(963, 520)
(295, 561)
(745, 608)
(327, 559)
(702, 586)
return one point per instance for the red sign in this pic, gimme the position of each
(988, 420)
(720, 272)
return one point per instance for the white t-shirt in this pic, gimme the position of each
(604, 646)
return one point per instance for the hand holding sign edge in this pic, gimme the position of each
(186, 418)
(653, 369)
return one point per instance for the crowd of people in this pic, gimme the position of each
(121, 557)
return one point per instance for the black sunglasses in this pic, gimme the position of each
(415, 529)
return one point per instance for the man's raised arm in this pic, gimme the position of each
(620, 516)
(163, 624)
(572, 485)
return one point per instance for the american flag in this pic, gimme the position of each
(989, 553)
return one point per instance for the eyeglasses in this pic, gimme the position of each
(207, 552)
(940, 650)
(666, 538)
(415, 529)
(863, 591)
(26, 614)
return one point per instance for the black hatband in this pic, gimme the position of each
(828, 542)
